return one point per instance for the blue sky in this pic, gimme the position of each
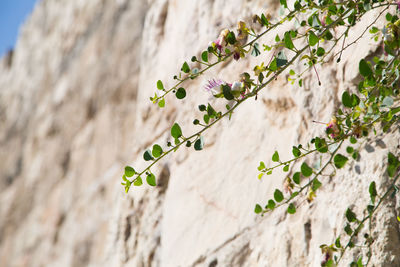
(12, 15)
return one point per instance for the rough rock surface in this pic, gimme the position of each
(74, 111)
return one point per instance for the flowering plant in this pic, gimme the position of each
(374, 108)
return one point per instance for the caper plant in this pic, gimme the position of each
(319, 28)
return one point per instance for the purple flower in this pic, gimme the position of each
(221, 41)
(214, 86)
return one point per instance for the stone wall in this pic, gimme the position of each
(74, 110)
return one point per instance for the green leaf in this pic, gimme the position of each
(199, 144)
(264, 20)
(206, 118)
(147, 155)
(286, 168)
(370, 209)
(177, 142)
(372, 191)
(320, 145)
(278, 196)
(271, 204)
(355, 100)
(312, 38)
(138, 181)
(339, 160)
(283, 3)
(388, 17)
(297, 5)
(204, 56)
(258, 209)
(288, 41)
(329, 263)
(393, 164)
(275, 157)
(157, 151)
(129, 171)
(161, 103)
(273, 66)
(296, 152)
(227, 91)
(374, 30)
(230, 38)
(306, 170)
(364, 68)
(185, 67)
(320, 51)
(281, 59)
(180, 93)
(349, 149)
(348, 229)
(261, 166)
(350, 215)
(296, 177)
(151, 179)
(359, 262)
(337, 243)
(256, 51)
(127, 186)
(346, 99)
(160, 85)
(291, 208)
(316, 184)
(353, 140)
(176, 131)
(211, 111)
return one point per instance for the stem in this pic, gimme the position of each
(369, 216)
(254, 93)
(294, 159)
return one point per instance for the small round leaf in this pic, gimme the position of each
(257, 209)
(199, 144)
(176, 131)
(151, 179)
(180, 93)
(157, 151)
(291, 208)
(278, 196)
(339, 160)
(160, 85)
(147, 155)
(138, 181)
(129, 171)
(364, 68)
(275, 156)
(306, 170)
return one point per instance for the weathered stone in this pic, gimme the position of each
(75, 109)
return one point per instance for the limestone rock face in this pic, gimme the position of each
(75, 109)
